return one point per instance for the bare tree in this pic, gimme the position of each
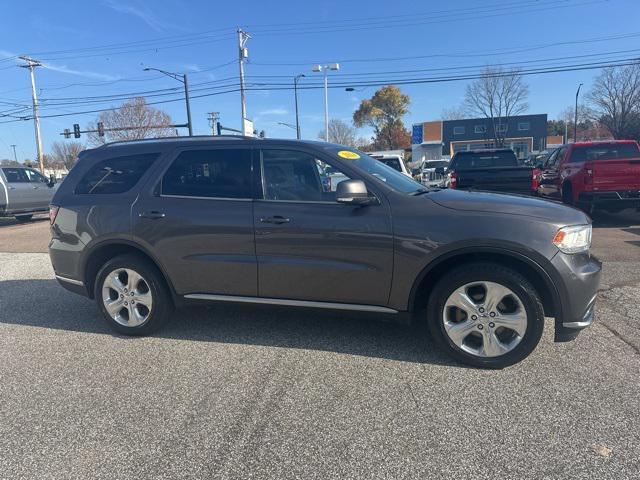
(615, 97)
(66, 153)
(341, 133)
(133, 113)
(454, 113)
(497, 95)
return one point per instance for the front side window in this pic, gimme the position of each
(115, 175)
(299, 176)
(605, 152)
(219, 173)
(35, 177)
(15, 175)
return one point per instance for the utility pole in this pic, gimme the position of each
(213, 118)
(243, 53)
(295, 93)
(15, 156)
(575, 123)
(31, 65)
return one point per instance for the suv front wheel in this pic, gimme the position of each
(486, 315)
(132, 295)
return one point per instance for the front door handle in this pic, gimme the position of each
(277, 219)
(153, 215)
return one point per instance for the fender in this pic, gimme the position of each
(534, 260)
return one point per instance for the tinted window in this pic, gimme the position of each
(115, 175)
(15, 175)
(299, 176)
(464, 160)
(224, 173)
(393, 163)
(35, 177)
(605, 152)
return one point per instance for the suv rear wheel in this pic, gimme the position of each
(132, 295)
(486, 315)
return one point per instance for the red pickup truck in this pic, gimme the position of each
(594, 175)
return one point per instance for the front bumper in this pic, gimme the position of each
(578, 282)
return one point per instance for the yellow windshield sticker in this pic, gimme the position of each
(349, 155)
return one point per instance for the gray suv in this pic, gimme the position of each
(146, 226)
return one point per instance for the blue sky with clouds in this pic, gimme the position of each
(369, 38)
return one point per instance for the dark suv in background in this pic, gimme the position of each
(145, 226)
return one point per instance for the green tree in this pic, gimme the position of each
(383, 113)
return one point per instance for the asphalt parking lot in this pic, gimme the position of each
(238, 392)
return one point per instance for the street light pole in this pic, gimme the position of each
(15, 156)
(185, 82)
(325, 69)
(575, 123)
(295, 93)
(31, 65)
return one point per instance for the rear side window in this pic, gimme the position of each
(605, 152)
(15, 175)
(223, 173)
(115, 175)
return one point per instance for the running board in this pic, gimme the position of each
(290, 303)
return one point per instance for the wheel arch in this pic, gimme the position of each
(100, 253)
(529, 268)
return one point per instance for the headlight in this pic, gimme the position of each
(573, 239)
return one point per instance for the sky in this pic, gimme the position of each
(99, 48)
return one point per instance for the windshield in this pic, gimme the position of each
(465, 160)
(393, 178)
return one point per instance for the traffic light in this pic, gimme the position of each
(100, 129)
(76, 130)
(67, 133)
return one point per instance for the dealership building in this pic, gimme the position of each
(442, 138)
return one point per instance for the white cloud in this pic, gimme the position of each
(142, 13)
(80, 73)
(273, 111)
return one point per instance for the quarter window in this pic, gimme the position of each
(223, 173)
(115, 175)
(458, 130)
(298, 176)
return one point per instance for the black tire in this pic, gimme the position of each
(487, 272)
(162, 305)
(24, 218)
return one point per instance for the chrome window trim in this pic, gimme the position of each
(207, 198)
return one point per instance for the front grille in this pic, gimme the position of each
(432, 176)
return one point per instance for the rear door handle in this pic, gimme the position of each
(278, 219)
(152, 215)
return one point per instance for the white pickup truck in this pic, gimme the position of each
(24, 192)
(392, 160)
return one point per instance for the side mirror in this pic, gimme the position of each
(354, 192)
(52, 180)
(439, 170)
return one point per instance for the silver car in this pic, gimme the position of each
(430, 177)
(24, 192)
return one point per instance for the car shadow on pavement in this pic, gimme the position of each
(626, 218)
(43, 303)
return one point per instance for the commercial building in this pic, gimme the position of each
(442, 138)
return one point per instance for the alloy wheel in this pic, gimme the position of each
(485, 319)
(127, 297)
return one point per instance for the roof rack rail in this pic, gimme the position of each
(169, 139)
